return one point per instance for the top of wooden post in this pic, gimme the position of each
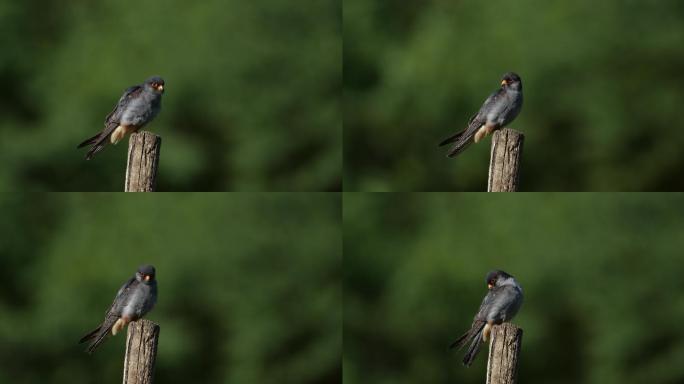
(141, 352)
(504, 352)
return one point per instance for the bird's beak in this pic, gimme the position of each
(147, 277)
(160, 88)
(504, 82)
(489, 286)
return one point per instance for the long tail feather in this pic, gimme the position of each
(89, 141)
(460, 145)
(473, 349)
(95, 149)
(98, 141)
(472, 337)
(89, 335)
(98, 336)
(451, 138)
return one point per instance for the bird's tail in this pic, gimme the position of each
(98, 335)
(98, 141)
(451, 138)
(89, 141)
(472, 337)
(95, 149)
(461, 142)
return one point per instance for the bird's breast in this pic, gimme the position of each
(139, 302)
(141, 110)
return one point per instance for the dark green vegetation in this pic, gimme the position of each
(252, 96)
(602, 275)
(249, 285)
(603, 82)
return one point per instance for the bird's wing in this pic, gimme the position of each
(115, 114)
(498, 300)
(508, 301)
(489, 103)
(487, 303)
(121, 296)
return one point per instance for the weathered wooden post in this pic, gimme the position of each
(504, 352)
(143, 160)
(141, 352)
(504, 164)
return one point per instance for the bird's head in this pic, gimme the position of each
(155, 84)
(497, 278)
(145, 274)
(512, 81)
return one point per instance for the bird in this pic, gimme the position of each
(134, 299)
(499, 110)
(137, 106)
(502, 302)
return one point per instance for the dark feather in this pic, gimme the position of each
(460, 146)
(452, 138)
(472, 337)
(90, 335)
(98, 336)
(100, 140)
(473, 349)
(89, 141)
(464, 138)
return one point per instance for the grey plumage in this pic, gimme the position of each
(498, 110)
(138, 105)
(501, 304)
(133, 300)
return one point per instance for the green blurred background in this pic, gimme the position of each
(249, 285)
(252, 102)
(602, 276)
(602, 82)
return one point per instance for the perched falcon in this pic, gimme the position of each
(500, 108)
(137, 107)
(501, 303)
(134, 299)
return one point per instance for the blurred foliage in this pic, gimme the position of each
(601, 274)
(252, 102)
(602, 82)
(249, 285)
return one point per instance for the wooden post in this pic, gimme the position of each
(141, 352)
(507, 147)
(143, 160)
(504, 352)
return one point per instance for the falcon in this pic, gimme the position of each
(137, 106)
(502, 302)
(499, 110)
(134, 299)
